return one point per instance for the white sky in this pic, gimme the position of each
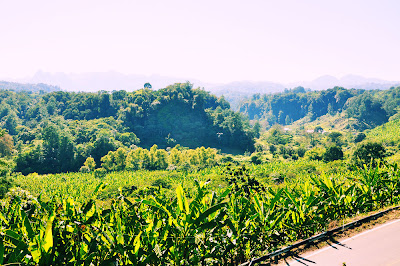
(210, 40)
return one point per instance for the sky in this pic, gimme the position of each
(208, 40)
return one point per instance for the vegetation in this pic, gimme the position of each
(55, 132)
(174, 177)
(213, 228)
(368, 108)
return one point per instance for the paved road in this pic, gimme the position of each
(377, 246)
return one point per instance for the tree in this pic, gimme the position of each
(147, 86)
(58, 150)
(333, 153)
(101, 147)
(277, 136)
(318, 129)
(114, 160)
(90, 163)
(335, 137)
(11, 123)
(51, 147)
(175, 157)
(6, 145)
(359, 137)
(369, 153)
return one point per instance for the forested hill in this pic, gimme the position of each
(370, 108)
(40, 87)
(69, 127)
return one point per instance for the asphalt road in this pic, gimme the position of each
(377, 246)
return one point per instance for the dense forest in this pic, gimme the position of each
(369, 108)
(57, 131)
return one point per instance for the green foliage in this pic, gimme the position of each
(256, 158)
(388, 134)
(159, 182)
(315, 153)
(277, 136)
(5, 185)
(90, 163)
(292, 105)
(359, 137)
(333, 153)
(368, 110)
(115, 160)
(57, 131)
(368, 153)
(193, 227)
(6, 145)
(100, 173)
(336, 138)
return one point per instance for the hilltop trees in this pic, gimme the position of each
(368, 153)
(60, 130)
(369, 108)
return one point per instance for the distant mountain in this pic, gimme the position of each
(234, 92)
(349, 82)
(14, 86)
(110, 81)
(248, 87)
(97, 81)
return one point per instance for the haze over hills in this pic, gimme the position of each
(14, 86)
(348, 81)
(117, 81)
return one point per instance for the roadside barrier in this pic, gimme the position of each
(318, 237)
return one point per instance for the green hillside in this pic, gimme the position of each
(57, 131)
(368, 108)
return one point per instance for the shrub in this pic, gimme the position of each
(256, 158)
(5, 185)
(301, 151)
(100, 173)
(333, 153)
(314, 154)
(159, 182)
(369, 152)
(90, 163)
(359, 137)
(84, 169)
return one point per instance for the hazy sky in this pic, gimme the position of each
(210, 40)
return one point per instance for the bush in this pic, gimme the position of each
(369, 152)
(256, 158)
(259, 147)
(100, 173)
(333, 153)
(84, 169)
(314, 154)
(359, 137)
(159, 182)
(90, 164)
(272, 149)
(5, 185)
(301, 151)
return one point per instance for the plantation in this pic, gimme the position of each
(241, 219)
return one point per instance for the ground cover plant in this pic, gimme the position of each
(198, 226)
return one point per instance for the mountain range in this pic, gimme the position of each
(110, 81)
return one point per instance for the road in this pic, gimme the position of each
(377, 246)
